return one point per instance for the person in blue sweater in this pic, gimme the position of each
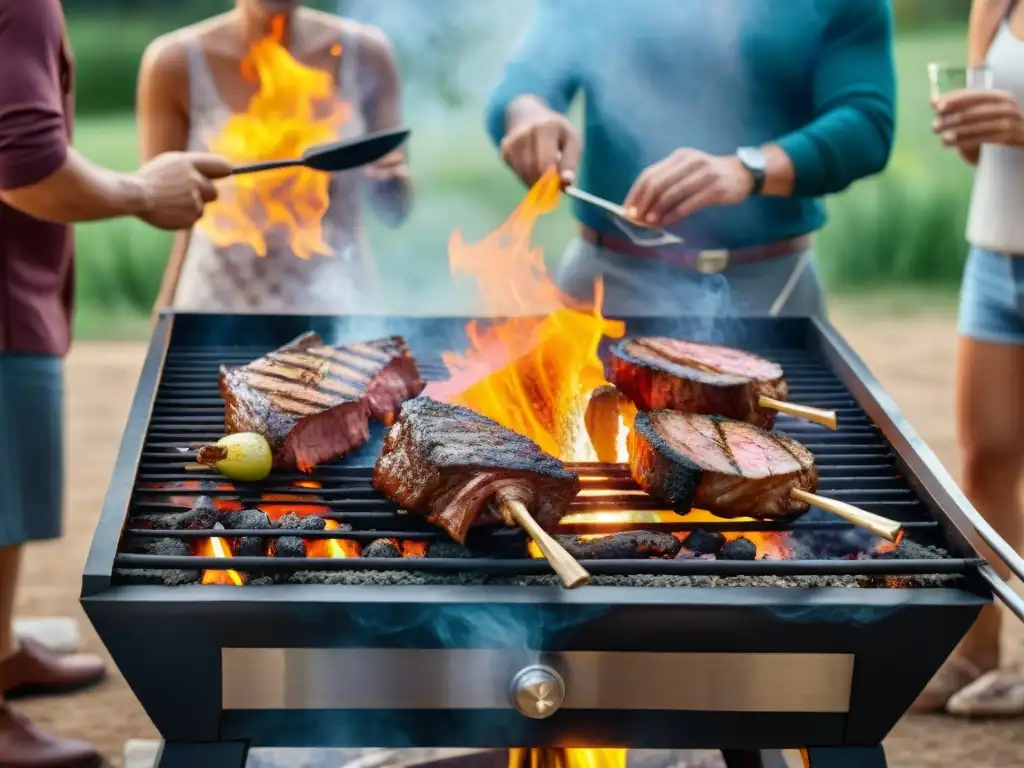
(725, 122)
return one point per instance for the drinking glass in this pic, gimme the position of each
(945, 78)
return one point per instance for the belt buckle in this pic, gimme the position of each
(712, 262)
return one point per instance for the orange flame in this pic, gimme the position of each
(530, 374)
(295, 107)
(566, 758)
(217, 547)
(336, 548)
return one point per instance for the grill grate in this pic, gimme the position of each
(856, 465)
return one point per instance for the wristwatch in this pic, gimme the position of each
(753, 159)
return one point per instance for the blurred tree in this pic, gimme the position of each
(911, 14)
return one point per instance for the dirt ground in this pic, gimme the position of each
(912, 355)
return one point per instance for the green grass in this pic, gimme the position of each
(903, 228)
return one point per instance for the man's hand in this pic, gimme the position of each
(685, 182)
(391, 167)
(968, 118)
(176, 186)
(540, 139)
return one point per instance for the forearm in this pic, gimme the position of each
(79, 191)
(392, 200)
(842, 146)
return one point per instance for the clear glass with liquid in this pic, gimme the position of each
(946, 78)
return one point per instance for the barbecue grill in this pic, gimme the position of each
(479, 647)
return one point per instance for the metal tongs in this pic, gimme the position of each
(640, 234)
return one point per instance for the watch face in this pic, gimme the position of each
(752, 157)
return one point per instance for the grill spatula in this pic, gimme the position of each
(338, 155)
(641, 234)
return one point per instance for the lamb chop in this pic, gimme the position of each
(313, 402)
(732, 469)
(656, 372)
(459, 469)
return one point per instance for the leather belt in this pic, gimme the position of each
(708, 262)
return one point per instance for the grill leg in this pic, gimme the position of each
(844, 757)
(753, 758)
(216, 754)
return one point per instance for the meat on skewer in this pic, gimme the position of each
(458, 469)
(656, 372)
(732, 469)
(313, 402)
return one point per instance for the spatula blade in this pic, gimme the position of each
(353, 153)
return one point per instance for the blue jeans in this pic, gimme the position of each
(31, 448)
(635, 286)
(992, 297)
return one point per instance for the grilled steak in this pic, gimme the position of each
(449, 463)
(313, 402)
(657, 372)
(730, 468)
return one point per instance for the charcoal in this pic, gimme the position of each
(169, 547)
(246, 520)
(704, 542)
(294, 522)
(289, 546)
(738, 549)
(627, 545)
(249, 546)
(381, 548)
(686, 554)
(202, 516)
(171, 577)
(448, 549)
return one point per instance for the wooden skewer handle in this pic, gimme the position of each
(806, 412)
(888, 529)
(569, 571)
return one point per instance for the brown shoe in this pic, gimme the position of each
(23, 745)
(35, 671)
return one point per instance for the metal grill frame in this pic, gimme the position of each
(910, 630)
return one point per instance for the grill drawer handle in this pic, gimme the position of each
(537, 691)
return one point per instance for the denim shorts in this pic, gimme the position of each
(992, 297)
(31, 447)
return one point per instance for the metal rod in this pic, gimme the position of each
(1006, 594)
(523, 566)
(574, 529)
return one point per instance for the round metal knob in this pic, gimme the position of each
(537, 691)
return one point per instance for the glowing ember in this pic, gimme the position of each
(217, 547)
(294, 108)
(195, 489)
(299, 504)
(530, 374)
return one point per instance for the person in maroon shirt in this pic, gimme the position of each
(44, 186)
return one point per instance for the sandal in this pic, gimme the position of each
(999, 692)
(954, 675)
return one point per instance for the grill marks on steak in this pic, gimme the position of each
(730, 468)
(313, 402)
(449, 464)
(656, 372)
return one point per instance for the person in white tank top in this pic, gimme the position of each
(986, 127)
(191, 83)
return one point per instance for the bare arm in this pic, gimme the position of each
(162, 108)
(391, 191)
(986, 16)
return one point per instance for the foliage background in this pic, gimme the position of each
(903, 227)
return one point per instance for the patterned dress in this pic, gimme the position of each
(234, 278)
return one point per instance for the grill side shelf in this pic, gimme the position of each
(99, 565)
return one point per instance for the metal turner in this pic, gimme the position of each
(640, 234)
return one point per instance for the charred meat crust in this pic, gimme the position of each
(713, 477)
(313, 402)
(641, 368)
(449, 463)
(627, 545)
(660, 469)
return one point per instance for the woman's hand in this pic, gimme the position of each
(969, 118)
